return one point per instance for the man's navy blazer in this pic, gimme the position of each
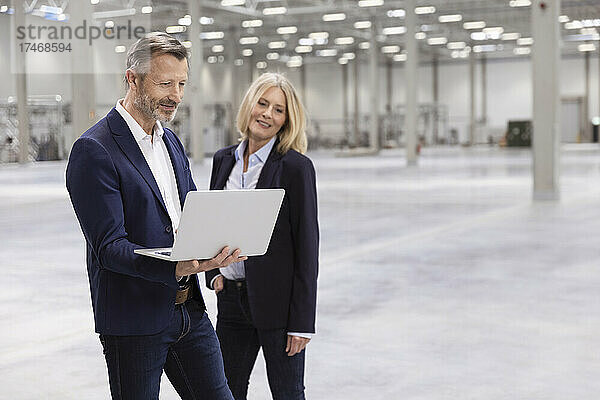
(282, 284)
(120, 209)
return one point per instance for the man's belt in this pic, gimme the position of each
(183, 295)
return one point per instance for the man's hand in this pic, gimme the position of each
(295, 344)
(221, 260)
(218, 283)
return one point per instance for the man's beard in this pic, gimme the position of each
(151, 107)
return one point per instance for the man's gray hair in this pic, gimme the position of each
(152, 45)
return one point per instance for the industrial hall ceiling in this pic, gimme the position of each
(299, 32)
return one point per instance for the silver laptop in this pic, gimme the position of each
(213, 219)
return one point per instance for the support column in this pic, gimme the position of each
(356, 130)
(546, 99)
(303, 85)
(373, 90)
(83, 97)
(585, 132)
(195, 99)
(345, 101)
(232, 53)
(484, 90)
(21, 78)
(436, 100)
(411, 73)
(472, 120)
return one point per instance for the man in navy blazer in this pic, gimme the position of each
(128, 177)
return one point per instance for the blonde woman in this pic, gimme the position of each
(269, 302)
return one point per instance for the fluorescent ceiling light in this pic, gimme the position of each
(450, 18)
(525, 41)
(109, 24)
(474, 25)
(303, 49)
(399, 57)
(420, 35)
(511, 36)
(211, 59)
(574, 25)
(249, 40)
(362, 24)
(3, 9)
(185, 21)
(294, 63)
(563, 18)
(341, 41)
(276, 45)
(252, 23)
(586, 47)
(478, 36)
(399, 13)
(51, 10)
(94, 2)
(274, 10)
(390, 49)
(521, 51)
(519, 3)
(306, 42)
(287, 30)
(394, 30)
(343, 61)
(370, 3)
(486, 48)
(175, 29)
(424, 10)
(218, 48)
(327, 53)
(364, 45)
(247, 52)
(334, 17)
(272, 56)
(437, 41)
(229, 3)
(349, 56)
(206, 21)
(146, 9)
(212, 35)
(493, 30)
(318, 35)
(238, 62)
(187, 44)
(120, 49)
(261, 65)
(456, 45)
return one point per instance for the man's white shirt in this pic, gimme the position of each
(157, 156)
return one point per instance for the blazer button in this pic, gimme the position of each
(168, 229)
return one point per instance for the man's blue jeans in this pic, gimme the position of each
(187, 350)
(241, 341)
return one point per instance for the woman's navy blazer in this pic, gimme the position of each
(282, 284)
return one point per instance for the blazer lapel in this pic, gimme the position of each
(126, 142)
(224, 169)
(178, 168)
(266, 179)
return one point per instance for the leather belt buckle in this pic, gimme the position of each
(183, 295)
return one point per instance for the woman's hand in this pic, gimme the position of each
(295, 344)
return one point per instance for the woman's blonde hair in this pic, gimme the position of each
(292, 134)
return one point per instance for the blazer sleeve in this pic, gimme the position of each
(302, 197)
(93, 185)
(209, 275)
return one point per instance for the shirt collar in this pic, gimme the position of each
(138, 132)
(262, 154)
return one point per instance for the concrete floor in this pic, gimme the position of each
(443, 281)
